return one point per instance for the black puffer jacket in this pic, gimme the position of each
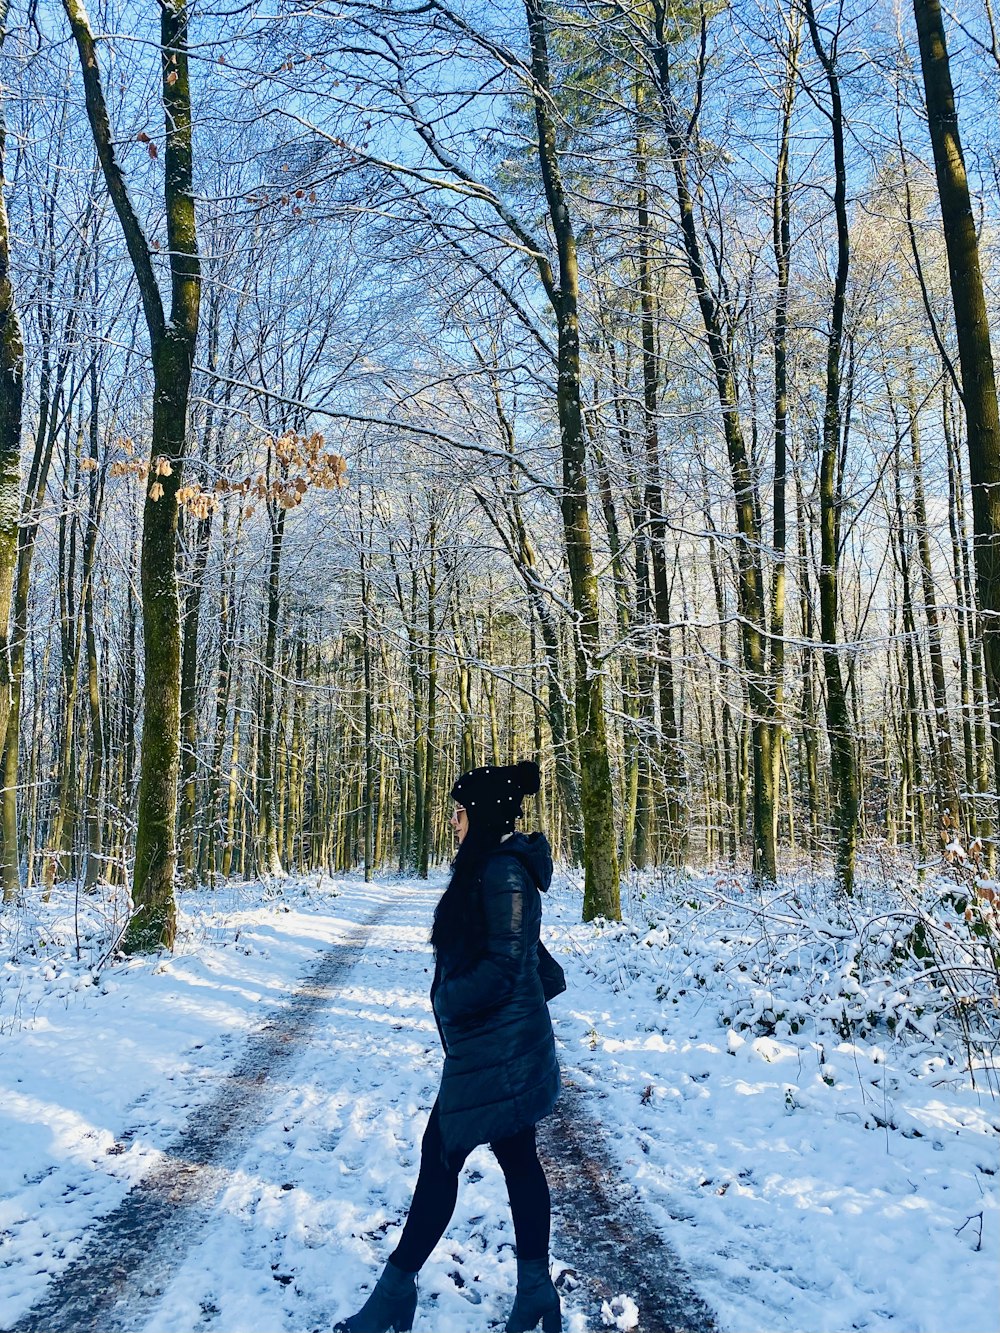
(500, 1071)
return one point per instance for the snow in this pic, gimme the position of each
(621, 1313)
(790, 1104)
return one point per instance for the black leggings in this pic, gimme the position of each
(437, 1190)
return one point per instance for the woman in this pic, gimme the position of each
(500, 1072)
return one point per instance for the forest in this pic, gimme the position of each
(388, 388)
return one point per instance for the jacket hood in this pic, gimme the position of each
(534, 853)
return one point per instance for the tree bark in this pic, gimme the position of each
(843, 756)
(188, 814)
(60, 833)
(11, 407)
(601, 886)
(95, 782)
(51, 383)
(945, 773)
(652, 498)
(974, 723)
(782, 246)
(172, 345)
(630, 756)
(430, 746)
(268, 859)
(913, 806)
(979, 387)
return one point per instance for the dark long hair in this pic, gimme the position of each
(459, 919)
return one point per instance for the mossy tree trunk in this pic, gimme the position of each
(172, 345)
(11, 406)
(601, 884)
(979, 386)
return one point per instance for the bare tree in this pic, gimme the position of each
(172, 344)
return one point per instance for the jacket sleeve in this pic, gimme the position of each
(492, 978)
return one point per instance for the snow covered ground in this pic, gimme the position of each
(782, 1094)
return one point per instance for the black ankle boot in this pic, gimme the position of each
(536, 1299)
(390, 1306)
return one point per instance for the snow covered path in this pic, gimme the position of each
(135, 1249)
(137, 1254)
(600, 1228)
(855, 1192)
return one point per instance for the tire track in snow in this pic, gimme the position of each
(601, 1228)
(134, 1250)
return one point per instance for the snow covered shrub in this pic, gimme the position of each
(900, 961)
(920, 963)
(953, 938)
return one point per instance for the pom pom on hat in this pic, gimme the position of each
(529, 776)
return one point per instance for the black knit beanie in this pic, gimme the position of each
(492, 796)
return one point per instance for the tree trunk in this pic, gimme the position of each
(672, 751)
(809, 708)
(60, 833)
(732, 815)
(95, 817)
(11, 406)
(188, 815)
(630, 756)
(962, 622)
(911, 706)
(945, 774)
(750, 578)
(467, 748)
(522, 553)
(117, 835)
(601, 887)
(979, 388)
(371, 778)
(233, 792)
(974, 723)
(51, 382)
(430, 746)
(268, 859)
(782, 246)
(172, 344)
(843, 757)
